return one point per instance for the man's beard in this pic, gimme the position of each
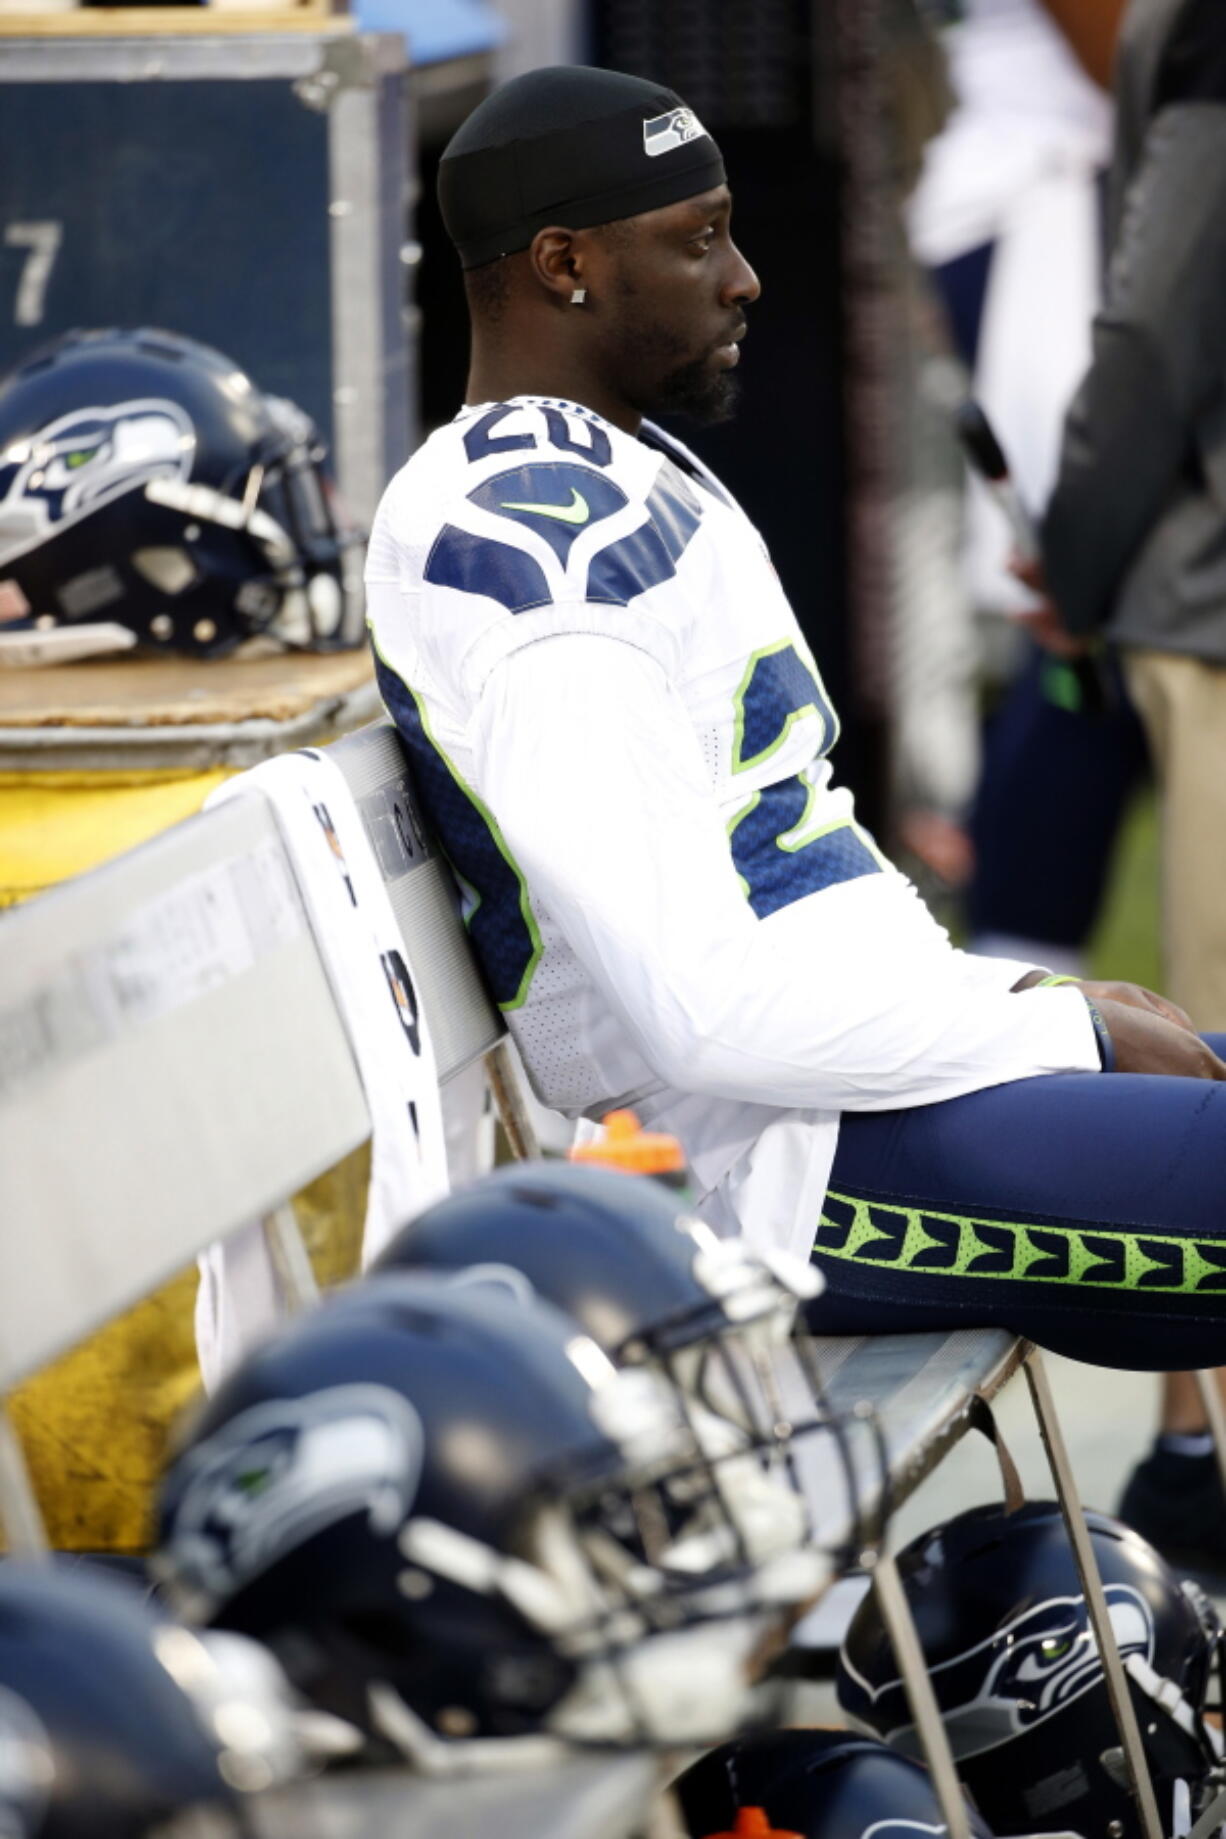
(698, 389)
(698, 392)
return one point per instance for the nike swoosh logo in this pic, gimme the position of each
(576, 512)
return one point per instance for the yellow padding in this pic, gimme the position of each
(55, 825)
(96, 1424)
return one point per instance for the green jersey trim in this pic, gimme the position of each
(491, 824)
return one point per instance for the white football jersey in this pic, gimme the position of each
(622, 740)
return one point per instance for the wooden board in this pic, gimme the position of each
(177, 692)
(176, 21)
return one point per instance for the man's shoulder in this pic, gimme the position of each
(518, 500)
(520, 460)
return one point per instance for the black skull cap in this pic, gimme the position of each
(568, 145)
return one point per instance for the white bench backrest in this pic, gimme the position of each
(462, 1020)
(156, 1018)
(172, 1060)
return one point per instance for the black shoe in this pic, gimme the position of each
(1178, 1504)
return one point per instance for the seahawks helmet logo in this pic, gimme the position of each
(54, 478)
(1025, 1672)
(664, 132)
(280, 1473)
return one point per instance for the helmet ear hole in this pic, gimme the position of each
(171, 571)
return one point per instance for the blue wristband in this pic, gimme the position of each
(1102, 1034)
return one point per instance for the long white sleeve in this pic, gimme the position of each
(848, 998)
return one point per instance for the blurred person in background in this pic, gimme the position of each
(1007, 218)
(934, 664)
(1134, 546)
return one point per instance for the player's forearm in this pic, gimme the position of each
(780, 1015)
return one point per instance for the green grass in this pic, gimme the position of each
(1125, 943)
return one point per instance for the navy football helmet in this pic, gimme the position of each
(1002, 1620)
(621, 1254)
(817, 1784)
(451, 1517)
(147, 484)
(116, 1720)
(656, 1289)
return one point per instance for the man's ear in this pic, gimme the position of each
(556, 258)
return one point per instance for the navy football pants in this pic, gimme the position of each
(1084, 1211)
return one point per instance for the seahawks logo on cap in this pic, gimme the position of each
(664, 132)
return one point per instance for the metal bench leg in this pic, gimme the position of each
(19, 1511)
(1096, 1602)
(290, 1264)
(909, 1656)
(509, 1101)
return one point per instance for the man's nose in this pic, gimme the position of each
(742, 283)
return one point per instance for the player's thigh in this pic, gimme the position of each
(1130, 1150)
(1081, 1210)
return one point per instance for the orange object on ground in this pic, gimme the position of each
(752, 1823)
(628, 1147)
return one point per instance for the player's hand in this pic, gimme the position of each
(1146, 1042)
(1135, 996)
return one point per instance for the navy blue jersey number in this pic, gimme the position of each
(779, 688)
(569, 433)
(779, 856)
